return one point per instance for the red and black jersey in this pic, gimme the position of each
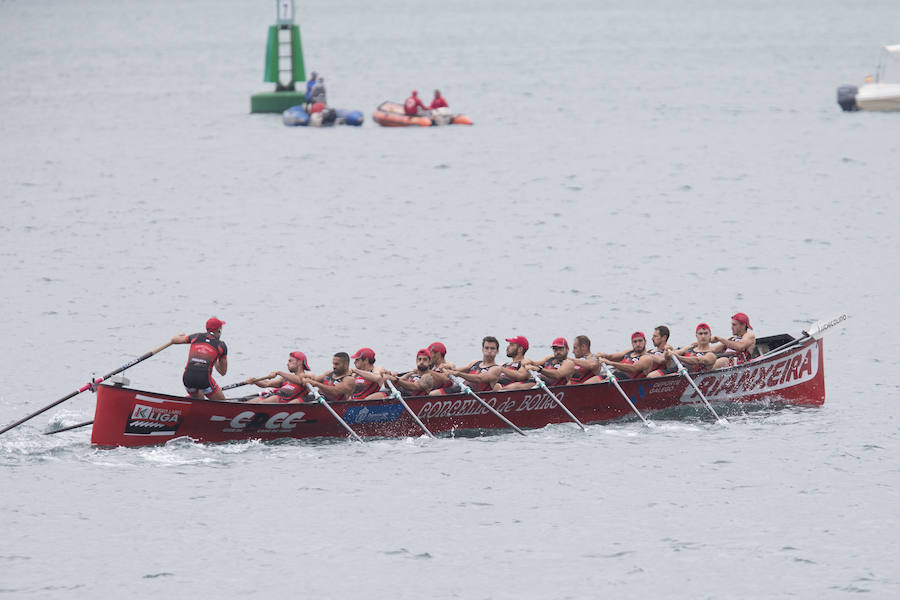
(478, 368)
(290, 391)
(205, 350)
(580, 375)
(553, 365)
(364, 388)
(512, 366)
(331, 380)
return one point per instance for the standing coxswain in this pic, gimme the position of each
(207, 351)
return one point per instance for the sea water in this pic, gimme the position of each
(629, 166)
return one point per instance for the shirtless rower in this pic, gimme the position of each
(367, 382)
(514, 370)
(443, 385)
(338, 383)
(740, 346)
(553, 370)
(418, 382)
(207, 351)
(290, 387)
(586, 365)
(625, 363)
(482, 374)
(699, 356)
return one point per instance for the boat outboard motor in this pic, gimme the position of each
(329, 116)
(846, 97)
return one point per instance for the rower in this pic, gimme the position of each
(586, 365)
(290, 387)
(553, 370)
(441, 368)
(740, 346)
(625, 363)
(515, 370)
(657, 356)
(419, 381)
(367, 382)
(699, 356)
(337, 384)
(484, 373)
(207, 351)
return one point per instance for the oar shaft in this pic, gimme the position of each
(464, 387)
(690, 379)
(69, 428)
(399, 397)
(334, 414)
(559, 403)
(615, 382)
(86, 387)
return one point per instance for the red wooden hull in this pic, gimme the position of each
(127, 417)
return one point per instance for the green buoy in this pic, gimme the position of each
(284, 63)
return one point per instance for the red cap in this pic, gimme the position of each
(302, 358)
(703, 326)
(742, 318)
(367, 353)
(638, 334)
(520, 340)
(439, 348)
(213, 323)
(423, 352)
(560, 342)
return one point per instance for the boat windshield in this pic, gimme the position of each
(889, 65)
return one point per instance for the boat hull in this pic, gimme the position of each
(391, 114)
(128, 417)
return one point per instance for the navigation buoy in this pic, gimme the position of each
(284, 63)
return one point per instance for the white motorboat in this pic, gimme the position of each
(876, 93)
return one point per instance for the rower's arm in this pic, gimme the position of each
(490, 376)
(591, 364)
(369, 376)
(520, 374)
(744, 344)
(335, 392)
(222, 365)
(565, 370)
(630, 368)
(615, 357)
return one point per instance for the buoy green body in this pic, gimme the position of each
(284, 65)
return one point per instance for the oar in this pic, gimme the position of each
(69, 428)
(559, 403)
(465, 388)
(231, 386)
(615, 382)
(399, 397)
(321, 399)
(88, 386)
(684, 372)
(815, 331)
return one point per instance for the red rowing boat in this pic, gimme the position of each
(127, 417)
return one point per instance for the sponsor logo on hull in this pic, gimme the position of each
(466, 407)
(757, 379)
(153, 420)
(262, 422)
(373, 414)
